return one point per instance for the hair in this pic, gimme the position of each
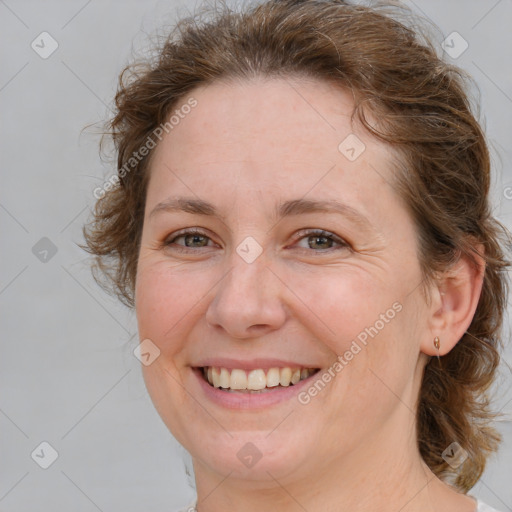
(423, 113)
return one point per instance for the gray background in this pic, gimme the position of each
(68, 374)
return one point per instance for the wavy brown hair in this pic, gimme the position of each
(423, 113)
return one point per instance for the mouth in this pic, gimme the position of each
(255, 381)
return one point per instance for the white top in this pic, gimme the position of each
(481, 507)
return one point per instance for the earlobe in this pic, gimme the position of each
(456, 298)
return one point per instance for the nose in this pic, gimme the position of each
(248, 300)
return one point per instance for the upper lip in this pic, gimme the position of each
(252, 364)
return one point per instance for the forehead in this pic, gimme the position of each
(297, 117)
(269, 136)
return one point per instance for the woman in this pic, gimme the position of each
(302, 224)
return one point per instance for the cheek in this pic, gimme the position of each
(163, 304)
(165, 300)
(151, 303)
(364, 322)
(338, 305)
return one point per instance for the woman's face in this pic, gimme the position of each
(303, 258)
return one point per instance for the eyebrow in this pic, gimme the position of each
(286, 209)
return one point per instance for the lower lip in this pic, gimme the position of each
(234, 400)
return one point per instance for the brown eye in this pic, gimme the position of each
(191, 239)
(320, 240)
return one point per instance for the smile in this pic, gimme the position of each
(254, 381)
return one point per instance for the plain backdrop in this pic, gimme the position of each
(68, 374)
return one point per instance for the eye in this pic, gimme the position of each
(192, 239)
(321, 241)
(316, 239)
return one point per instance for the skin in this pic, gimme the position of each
(246, 147)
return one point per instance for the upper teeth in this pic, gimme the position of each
(255, 379)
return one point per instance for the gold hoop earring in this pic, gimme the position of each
(437, 344)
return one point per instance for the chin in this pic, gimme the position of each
(253, 456)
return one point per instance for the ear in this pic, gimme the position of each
(454, 301)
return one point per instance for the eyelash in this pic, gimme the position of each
(303, 234)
